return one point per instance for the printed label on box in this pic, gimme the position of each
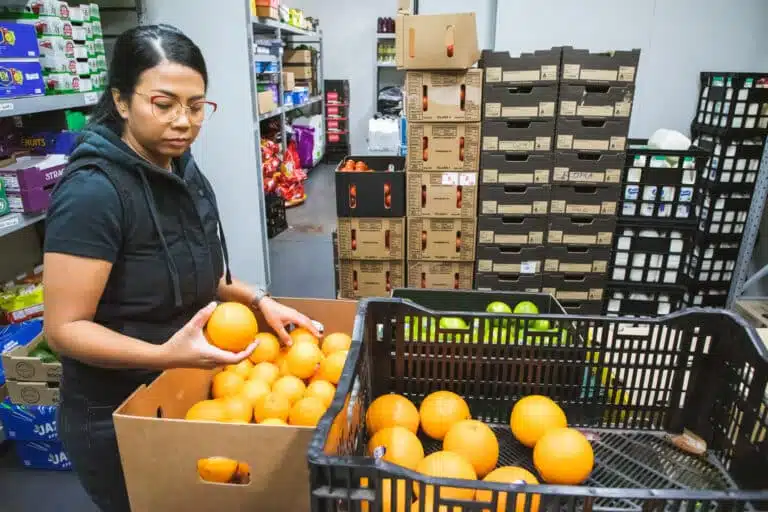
(520, 111)
(517, 145)
(492, 75)
(627, 73)
(492, 110)
(595, 111)
(490, 143)
(531, 75)
(549, 72)
(529, 267)
(609, 75)
(564, 141)
(571, 71)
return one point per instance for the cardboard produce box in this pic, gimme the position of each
(610, 68)
(436, 41)
(590, 135)
(266, 102)
(518, 168)
(440, 275)
(583, 199)
(511, 230)
(585, 102)
(300, 57)
(443, 147)
(443, 95)
(360, 279)
(581, 230)
(587, 167)
(19, 365)
(520, 102)
(441, 239)
(377, 192)
(300, 72)
(289, 80)
(514, 200)
(541, 67)
(447, 194)
(519, 136)
(371, 238)
(574, 287)
(577, 259)
(510, 259)
(508, 282)
(159, 450)
(23, 392)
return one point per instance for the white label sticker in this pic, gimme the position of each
(90, 98)
(529, 267)
(6, 107)
(450, 178)
(468, 179)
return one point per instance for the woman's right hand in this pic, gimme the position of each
(188, 348)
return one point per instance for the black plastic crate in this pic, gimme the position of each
(660, 185)
(588, 167)
(510, 259)
(629, 383)
(540, 67)
(651, 255)
(707, 296)
(519, 102)
(515, 168)
(476, 300)
(712, 262)
(508, 282)
(734, 101)
(733, 162)
(336, 92)
(632, 300)
(609, 68)
(277, 222)
(595, 101)
(723, 215)
(511, 229)
(377, 192)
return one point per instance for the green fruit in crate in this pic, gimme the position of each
(498, 307)
(453, 322)
(527, 307)
(45, 355)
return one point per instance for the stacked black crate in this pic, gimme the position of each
(731, 124)
(516, 165)
(594, 108)
(336, 120)
(655, 230)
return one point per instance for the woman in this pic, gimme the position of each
(134, 251)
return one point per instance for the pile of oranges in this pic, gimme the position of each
(352, 166)
(275, 386)
(470, 449)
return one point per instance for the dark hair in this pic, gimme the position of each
(137, 50)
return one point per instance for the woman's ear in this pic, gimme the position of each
(120, 103)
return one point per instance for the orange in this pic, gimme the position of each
(336, 341)
(271, 406)
(301, 334)
(332, 366)
(216, 469)
(563, 456)
(207, 410)
(446, 465)
(386, 496)
(306, 412)
(267, 350)
(226, 384)
(232, 326)
(476, 442)
(268, 372)
(400, 446)
(440, 411)
(243, 368)
(303, 359)
(290, 387)
(390, 411)
(429, 506)
(533, 416)
(239, 409)
(253, 390)
(321, 389)
(282, 365)
(509, 475)
(275, 422)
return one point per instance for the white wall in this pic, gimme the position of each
(678, 39)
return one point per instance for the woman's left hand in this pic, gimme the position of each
(278, 316)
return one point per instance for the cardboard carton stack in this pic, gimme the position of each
(594, 107)
(516, 163)
(443, 104)
(370, 234)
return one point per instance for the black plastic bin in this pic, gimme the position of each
(277, 222)
(628, 382)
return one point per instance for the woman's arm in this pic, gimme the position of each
(277, 315)
(73, 286)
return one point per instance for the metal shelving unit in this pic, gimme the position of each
(290, 35)
(37, 104)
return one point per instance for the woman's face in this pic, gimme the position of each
(154, 119)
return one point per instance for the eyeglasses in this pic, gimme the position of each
(167, 109)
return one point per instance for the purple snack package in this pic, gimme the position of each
(305, 144)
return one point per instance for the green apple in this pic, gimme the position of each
(453, 322)
(498, 307)
(526, 307)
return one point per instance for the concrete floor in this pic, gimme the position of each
(301, 261)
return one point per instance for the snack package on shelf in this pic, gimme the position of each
(22, 298)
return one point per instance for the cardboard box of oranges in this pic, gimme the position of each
(183, 449)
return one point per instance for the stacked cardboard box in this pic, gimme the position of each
(731, 125)
(443, 104)
(370, 234)
(516, 163)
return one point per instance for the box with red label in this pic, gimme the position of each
(337, 125)
(21, 78)
(336, 111)
(336, 92)
(337, 137)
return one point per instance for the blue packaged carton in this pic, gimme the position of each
(29, 422)
(43, 455)
(18, 41)
(16, 335)
(21, 78)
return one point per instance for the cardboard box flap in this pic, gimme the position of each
(404, 7)
(436, 41)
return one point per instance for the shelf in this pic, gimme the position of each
(34, 104)
(386, 64)
(281, 110)
(385, 36)
(284, 27)
(18, 221)
(262, 57)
